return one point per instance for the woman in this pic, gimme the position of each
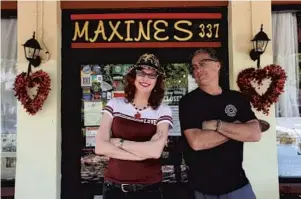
(133, 132)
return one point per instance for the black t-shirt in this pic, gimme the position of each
(217, 170)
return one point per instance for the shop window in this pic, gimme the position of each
(97, 76)
(8, 103)
(287, 51)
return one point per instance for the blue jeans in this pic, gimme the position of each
(245, 192)
(111, 192)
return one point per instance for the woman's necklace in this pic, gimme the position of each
(138, 114)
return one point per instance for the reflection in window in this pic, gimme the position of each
(286, 48)
(8, 100)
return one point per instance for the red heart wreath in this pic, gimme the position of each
(262, 102)
(22, 82)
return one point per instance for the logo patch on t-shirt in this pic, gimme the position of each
(230, 110)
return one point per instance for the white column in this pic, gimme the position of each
(260, 159)
(38, 172)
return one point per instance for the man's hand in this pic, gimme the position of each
(209, 125)
(212, 124)
(244, 132)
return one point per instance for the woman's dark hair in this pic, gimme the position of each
(157, 93)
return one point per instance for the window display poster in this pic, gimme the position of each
(90, 134)
(100, 83)
(176, 130)
(92, 113)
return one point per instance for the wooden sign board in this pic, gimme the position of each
(147, 30)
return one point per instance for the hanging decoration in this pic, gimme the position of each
(23, 82)
(39, 79)
(262, 102)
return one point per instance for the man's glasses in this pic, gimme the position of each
(141, 73)
(203, 63)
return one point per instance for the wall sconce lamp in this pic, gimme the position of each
(260, 42)
(32, 49)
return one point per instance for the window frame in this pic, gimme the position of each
(288, 185)
(8, 11)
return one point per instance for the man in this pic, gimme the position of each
(216, 123)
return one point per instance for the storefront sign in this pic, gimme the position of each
(173, 96)
(146, 29)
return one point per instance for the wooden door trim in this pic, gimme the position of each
(274, 3)
(9, 5)
(139, 4)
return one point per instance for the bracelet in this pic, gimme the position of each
(218, 125)
(120, 143)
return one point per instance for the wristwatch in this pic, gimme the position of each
(119, 145)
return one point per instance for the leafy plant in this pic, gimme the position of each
(176, 75)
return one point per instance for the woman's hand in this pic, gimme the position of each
(107, 146)
(115, 141)
(157, 136)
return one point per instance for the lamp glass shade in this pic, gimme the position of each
(31, 48)
(261, 46)
(260, 41)
(31, 53)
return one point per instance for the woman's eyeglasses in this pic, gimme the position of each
(141, 73)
